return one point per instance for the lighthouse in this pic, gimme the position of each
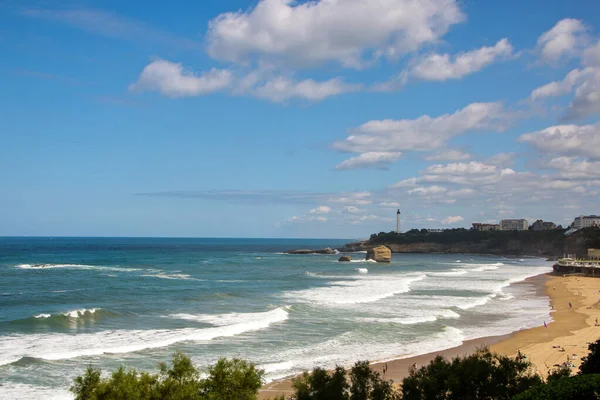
(398, 221)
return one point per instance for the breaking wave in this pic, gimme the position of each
(61, 346)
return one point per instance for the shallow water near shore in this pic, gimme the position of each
(67, 303)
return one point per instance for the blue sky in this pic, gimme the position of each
(279, 118)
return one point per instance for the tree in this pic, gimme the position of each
(481, 375)
(322, 385)
(228, 380)
(591, 363)
(232, 380)
(579, 387)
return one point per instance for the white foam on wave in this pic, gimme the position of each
(361, 270)
(61, 346)
(163, 275)
(21, 391)
(345, 350)
(452, 272)
(75, 266)
(363, 261)
(276, 315)
(79, 313)
(362, 289)
(413, 320)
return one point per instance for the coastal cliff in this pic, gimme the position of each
(519, 243)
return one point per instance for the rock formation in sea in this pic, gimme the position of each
(379, 254)
(326, 250)
(345, 258)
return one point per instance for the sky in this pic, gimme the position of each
(282, 118)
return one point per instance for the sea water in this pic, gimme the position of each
(67, 303)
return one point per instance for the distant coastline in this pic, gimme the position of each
(551, 244)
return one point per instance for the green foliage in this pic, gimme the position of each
(228, 380)
(232, 380)
(559, 373)
(321, 385)
(481, 375)
(580, 387)
(591, 363)
(366, 384)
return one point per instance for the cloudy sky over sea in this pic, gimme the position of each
(280, 118)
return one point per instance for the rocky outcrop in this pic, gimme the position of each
(380, 254)
(345, 259)
(326, 250)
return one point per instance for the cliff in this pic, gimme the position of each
(552, 243)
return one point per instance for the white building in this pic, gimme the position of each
(586, 221)
(398, 221)
(514, 225)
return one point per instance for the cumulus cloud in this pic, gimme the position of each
(344, 31)
(566, 39)
(423, 133)
(473, 167)
(351, 210)
(452, 220)
(391, 204)
(172, 80)
(448, 155)
(320, 210)
(282, 88)
(567, 139)
(441, 67)
(425, 191)
(372, 159)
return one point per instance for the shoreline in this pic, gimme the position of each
(568, 328)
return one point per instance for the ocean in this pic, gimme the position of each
(67, 303)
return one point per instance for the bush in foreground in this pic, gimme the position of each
(228, 380)
(365, 384)
(481, 375)
(580, 387)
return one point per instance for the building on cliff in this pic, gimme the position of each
(540, 225)
(514, 225)
(485, 227)
(398, 221)
(586, 221)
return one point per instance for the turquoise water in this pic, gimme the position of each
(66, 303)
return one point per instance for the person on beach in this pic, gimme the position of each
(570, 305)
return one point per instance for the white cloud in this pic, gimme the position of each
(574, 168)
(441, 67)
(591, 55)
(452, 220)
(501, 159)
(448, 155)
(372, 159)
(558, 88)
(281, 89)
(356, 198)
(567, 139)
(344, 31)
(423, 133)
(172, 80)
(351, 210)
(473, 167)
(410, 182)
(391, 204)
(426, 191)
(566, 39)
(320, 210)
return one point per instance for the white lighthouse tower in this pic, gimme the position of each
(398, 221)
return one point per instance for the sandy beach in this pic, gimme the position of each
(576, 308)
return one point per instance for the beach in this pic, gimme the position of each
(576, 307)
